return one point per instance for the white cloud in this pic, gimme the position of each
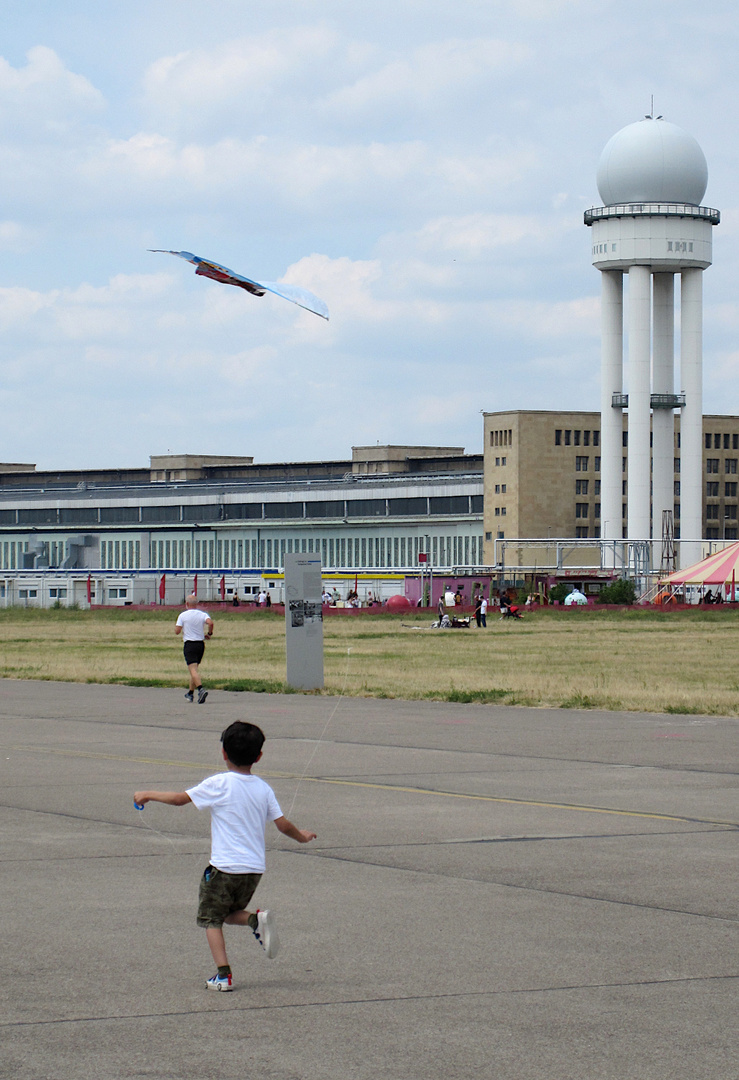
(425, 77)
(44, 96)
(241, 76)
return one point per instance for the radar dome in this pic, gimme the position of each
(652, 161)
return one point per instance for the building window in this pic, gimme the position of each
(735, 442)
(712, 489)
(558, 437)
(503, 488)
(712, 464)
(708, 440)
(568, 438)
(730, 534)
(727, 439)
(596, 465)
(712, 511)
(497, 461)
(596, 510)
(502, 511)
(623, 464)
(730, 512)
(677, 489)
(711, 534)
(577, 438)
(624, 438)
(497, 489)
(503, 461)
(581, 532)
(716, 441)
(730, 465)
(497, 511)
(676, 464)
(586, 438)
(581, 487)
(729, 490)
(488, 536)
(582, 510)
(623, 487)
(596, 438)
(581, 464)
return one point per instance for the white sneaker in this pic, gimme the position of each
(266, 933)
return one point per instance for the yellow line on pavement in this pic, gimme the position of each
(389, 787)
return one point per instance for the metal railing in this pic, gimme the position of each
(651, 209)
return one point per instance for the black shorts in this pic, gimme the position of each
(193, 651)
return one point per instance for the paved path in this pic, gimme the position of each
(504, 893)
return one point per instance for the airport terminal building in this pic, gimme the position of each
(227, 515)
(384, 512)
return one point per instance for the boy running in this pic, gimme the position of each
(240, 805)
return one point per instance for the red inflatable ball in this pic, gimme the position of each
(398, 603)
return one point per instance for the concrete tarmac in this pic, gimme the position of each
(494, 892)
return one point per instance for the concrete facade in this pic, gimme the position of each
(542, 477)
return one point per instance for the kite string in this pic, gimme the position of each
(313, 753)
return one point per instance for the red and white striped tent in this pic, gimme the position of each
(721, 568)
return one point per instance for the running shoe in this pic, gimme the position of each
(220, 982)
(202, 695)
(189, 695)
(266, 933)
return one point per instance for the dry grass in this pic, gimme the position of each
(680, 662)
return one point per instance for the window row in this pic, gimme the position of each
(502, 437)
(716, 440)
(718, 534)
(713, 511)
(712, 489)
(582, 487)
(340, 552)
(713, 465)
(195, 513)
(573, 437)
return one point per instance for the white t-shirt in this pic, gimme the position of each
(192, 622)
(484, 607)
(240, 806)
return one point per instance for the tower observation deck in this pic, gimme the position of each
(652, 176)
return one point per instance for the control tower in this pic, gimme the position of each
(652, 176)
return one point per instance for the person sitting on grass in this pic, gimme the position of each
(240, 806)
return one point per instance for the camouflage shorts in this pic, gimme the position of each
(221, 894)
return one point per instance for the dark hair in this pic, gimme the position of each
(242, 742)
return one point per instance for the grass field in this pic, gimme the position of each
(681, 662)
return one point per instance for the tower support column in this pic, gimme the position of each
(639, 464)
(663, 382)
(691, 425)
(611, 422)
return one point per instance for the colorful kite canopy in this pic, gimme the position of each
(294, 293)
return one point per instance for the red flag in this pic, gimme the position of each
(195, 586)
(89, 589)
(223, 587)
(162, 587)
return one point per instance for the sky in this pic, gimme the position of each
(421, 166)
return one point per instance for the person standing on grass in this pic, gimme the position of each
(240, 806)
(483, 611)
(196, 627)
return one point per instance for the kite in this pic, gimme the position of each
(206, 268)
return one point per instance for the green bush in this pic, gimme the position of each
(559, 591)
(620, 592)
